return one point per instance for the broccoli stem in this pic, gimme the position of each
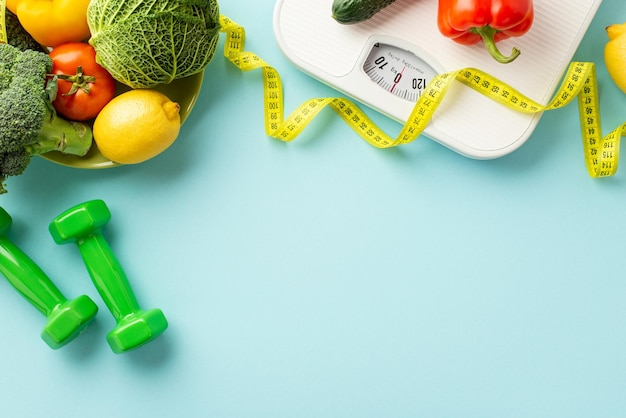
(58, 134)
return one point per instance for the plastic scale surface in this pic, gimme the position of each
(363, 61)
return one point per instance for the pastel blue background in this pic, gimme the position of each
(327, 278)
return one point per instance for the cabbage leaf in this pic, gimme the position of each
(143, 43)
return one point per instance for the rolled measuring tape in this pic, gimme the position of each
(601, 152)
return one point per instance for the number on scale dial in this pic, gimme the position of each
(398, 71)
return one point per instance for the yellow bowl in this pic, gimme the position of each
(183, 91)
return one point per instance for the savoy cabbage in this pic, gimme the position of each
(143, 43)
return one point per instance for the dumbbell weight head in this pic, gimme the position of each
(80, 222)
(68, 320)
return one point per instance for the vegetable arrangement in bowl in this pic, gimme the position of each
(70, 65)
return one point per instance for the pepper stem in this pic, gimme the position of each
(488, 34)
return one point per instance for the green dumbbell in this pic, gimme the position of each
(83, 224)
(66, 318)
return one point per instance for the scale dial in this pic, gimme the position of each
(398, 71)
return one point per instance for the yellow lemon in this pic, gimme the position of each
(615, 54)
(136, 126)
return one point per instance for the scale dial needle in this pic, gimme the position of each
(397, 79)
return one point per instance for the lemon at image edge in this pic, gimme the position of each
(136, 126)
(615, 54)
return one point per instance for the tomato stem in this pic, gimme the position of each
(78, 80)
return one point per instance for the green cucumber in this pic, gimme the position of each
(349, 12)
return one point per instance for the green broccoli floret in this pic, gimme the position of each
(17, 35)
(28, 124)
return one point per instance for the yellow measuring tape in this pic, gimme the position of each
(601, 153)
(3, 26)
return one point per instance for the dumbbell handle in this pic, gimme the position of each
(26, 276)
(108, 276)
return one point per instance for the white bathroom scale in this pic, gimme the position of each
(362, 61)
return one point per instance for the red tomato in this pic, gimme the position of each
(84, 87)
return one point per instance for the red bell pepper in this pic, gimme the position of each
(470, 21)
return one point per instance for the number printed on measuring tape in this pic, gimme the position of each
(601, 153)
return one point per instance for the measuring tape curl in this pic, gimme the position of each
(276, 126)
(601, 153)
